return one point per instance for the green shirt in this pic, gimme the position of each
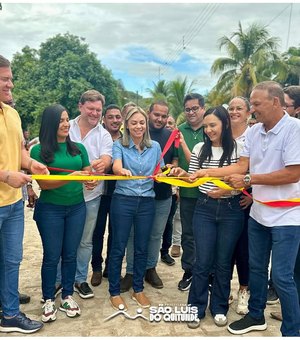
(72, 192)
(191, 137)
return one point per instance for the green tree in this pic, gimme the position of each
(292, 60)
(252, 57)
(178, 90)
(161, 90)
(59, 71)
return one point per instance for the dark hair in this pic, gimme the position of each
(227, 141)
(191, 96)
(111, 107)
(48, 134)
(293, 92)
(160, 103)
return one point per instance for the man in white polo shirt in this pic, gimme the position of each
(272, 155)
(86, 129)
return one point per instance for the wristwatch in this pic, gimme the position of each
(247, 179)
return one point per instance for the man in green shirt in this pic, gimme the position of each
(191, 134)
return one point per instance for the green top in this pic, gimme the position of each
(191, 137)
(72, 192)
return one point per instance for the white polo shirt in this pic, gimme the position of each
(97, 142)
(271, 151)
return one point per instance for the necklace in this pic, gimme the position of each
(196, 134)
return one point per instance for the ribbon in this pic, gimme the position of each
(177, 181)
(174, 137)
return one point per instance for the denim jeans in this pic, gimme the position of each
(217, 225)
(11, 252)
(187, 207)
(167, 235)
(125, 212)
(61, 229)
(162, 210)
(297, 274)
(85, 248)
(284, 242)
(98, 236)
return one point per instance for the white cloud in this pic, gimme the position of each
(161, 28)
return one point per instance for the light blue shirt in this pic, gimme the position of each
(268, 152)
(140, 164)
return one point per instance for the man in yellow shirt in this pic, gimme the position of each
(13, 158)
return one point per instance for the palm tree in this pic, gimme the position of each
(292, 60)
(178, 90)
(252, 57)
(160, 90)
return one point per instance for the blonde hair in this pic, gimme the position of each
(125, 141)
(92, 96)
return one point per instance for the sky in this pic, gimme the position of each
(144, 42)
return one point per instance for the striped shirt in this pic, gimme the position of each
(212, 164)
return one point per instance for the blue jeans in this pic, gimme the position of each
(11, 252)
(125, 212)
(61, 229)
(162, 210)
(98, 236)
(167, 235)
(284, 242)
(217, 225)
(187, 207)
(85, 248)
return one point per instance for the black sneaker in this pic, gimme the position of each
(84, 290)
(186, 281)
(126, 283)
(272, 297)
(21, 324)
(23, 299)
(167, 259)
(247, 324)
(58, 289)
(153, 278)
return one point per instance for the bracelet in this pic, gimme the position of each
(7, 177)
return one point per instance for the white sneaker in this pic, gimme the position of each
(70, 307)
(49, 311)
(242, 306)
(220, 320)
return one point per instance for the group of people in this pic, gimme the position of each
(217, 232)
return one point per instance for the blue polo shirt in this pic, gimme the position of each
(140, 164)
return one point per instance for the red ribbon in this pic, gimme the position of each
(275, 204)
(174, 138)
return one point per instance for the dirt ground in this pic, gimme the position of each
(96, 310)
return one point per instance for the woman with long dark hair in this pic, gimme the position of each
(217, 220)
(60, 210)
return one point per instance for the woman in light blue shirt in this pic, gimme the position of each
(135, 154)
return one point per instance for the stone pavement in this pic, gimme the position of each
(96, 310)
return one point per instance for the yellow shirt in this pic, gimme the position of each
(10, 151)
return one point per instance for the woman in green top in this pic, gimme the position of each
(60, 211)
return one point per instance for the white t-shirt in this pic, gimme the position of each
(271, 151)
(97, 142)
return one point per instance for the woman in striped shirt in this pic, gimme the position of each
(218, 218)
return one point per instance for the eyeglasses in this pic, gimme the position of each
(287, 106)
(194, 109)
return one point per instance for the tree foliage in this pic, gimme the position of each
(60, 71)
(252, 57)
